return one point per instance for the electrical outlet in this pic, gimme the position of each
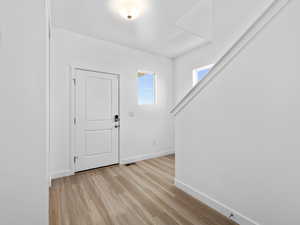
(154, 143)
(232, 217)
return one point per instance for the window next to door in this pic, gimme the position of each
(200, 73)
(146, 88)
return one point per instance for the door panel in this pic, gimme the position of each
(98, 142)
(99, 105)
(96, 137)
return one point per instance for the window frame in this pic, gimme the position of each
(195, 72)
(154, 87)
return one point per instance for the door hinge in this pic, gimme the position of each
(75, 159)
(74, 121)
(74, 81)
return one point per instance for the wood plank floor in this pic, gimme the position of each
(140, 194)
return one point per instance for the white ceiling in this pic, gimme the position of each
(166, 27)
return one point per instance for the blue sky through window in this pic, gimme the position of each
(202, 73)
(146, 88)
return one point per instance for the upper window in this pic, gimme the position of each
(146, 88)
(200, 73)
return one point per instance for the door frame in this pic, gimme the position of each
(72, 105)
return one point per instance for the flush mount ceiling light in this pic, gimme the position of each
(129, 9)
(130, 13)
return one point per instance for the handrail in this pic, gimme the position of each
(253, 28)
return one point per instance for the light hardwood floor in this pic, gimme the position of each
(140, 194)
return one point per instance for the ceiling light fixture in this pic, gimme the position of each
(129, 9)
(130, 13)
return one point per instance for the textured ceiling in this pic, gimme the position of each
(166, 27)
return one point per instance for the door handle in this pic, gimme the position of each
(117, 126)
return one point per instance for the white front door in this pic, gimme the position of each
(96, 130)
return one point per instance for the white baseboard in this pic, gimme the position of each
(146, 156)
(212, 203)
(60, 174)
(66, 173)
(49, 181)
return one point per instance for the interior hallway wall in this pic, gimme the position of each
(240, 135)
(23, 69)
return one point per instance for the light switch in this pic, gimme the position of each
(131, 114)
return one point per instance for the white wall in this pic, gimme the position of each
(23, 164)
(229, 18)
(138, 134)
(240, 135)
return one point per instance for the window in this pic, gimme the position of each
(146, 88)
(200, 73)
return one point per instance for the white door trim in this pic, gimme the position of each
(72, 105)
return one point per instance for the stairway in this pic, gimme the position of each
(236, 131)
